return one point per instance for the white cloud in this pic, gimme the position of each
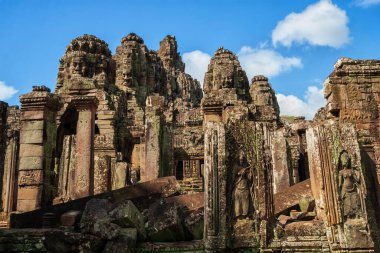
(6, 91)
(266, 62)
(291, 105)
(320, 24)
(367, 3)
(196, 63)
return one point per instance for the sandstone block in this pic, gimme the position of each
(119, 175)
(31, 163)
(104, 229)
(32, 125)
(194, 224)
(30, 177)
(70, 218)
(32, 115)
(29, 193)
(31, 136)
(124, 243)
(164, 222)
(57, 241)
(31, 150)
(25, 205)
(96, 221)
(96, 209)
(127, 215)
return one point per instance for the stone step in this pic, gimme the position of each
(190, 246)
(304, 245)
(21, 240)
(4, 224)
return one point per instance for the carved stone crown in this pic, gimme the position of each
(41, 88)
(90, 44)
(224, 52)
(132, 37)
(259, 78)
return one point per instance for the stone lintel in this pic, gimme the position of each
(212, 106)
(80, 87)
(85, 102)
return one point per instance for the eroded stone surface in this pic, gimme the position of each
(165, 222)
(127, 215)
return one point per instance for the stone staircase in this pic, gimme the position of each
(305, 244)
(191, 184)
(4, 223)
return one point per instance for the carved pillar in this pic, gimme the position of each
(37, 141)
(9, 176)
(83, 174)
(215, 176)
(67, 165)
(281, 162)
(10, 160)
(3, 143)
(215, 230)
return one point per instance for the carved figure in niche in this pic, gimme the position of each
(349, 186)
(241, 192)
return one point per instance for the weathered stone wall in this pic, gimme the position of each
(352, 93)
(341, 187)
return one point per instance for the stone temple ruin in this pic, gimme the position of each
(129, 154)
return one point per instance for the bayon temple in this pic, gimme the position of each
(130, 154)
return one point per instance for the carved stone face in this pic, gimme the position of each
(9, 133)
(76, 66)
(127, 77)
(87, 60)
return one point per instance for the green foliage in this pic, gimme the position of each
(243, 135)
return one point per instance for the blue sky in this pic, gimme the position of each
(295, 43)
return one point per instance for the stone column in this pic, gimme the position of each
(215, 228)
(3, 138)
(83, 175)
(215, 176)
(281, 162)
(9, 176)
(153, 133)
(37, 135)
